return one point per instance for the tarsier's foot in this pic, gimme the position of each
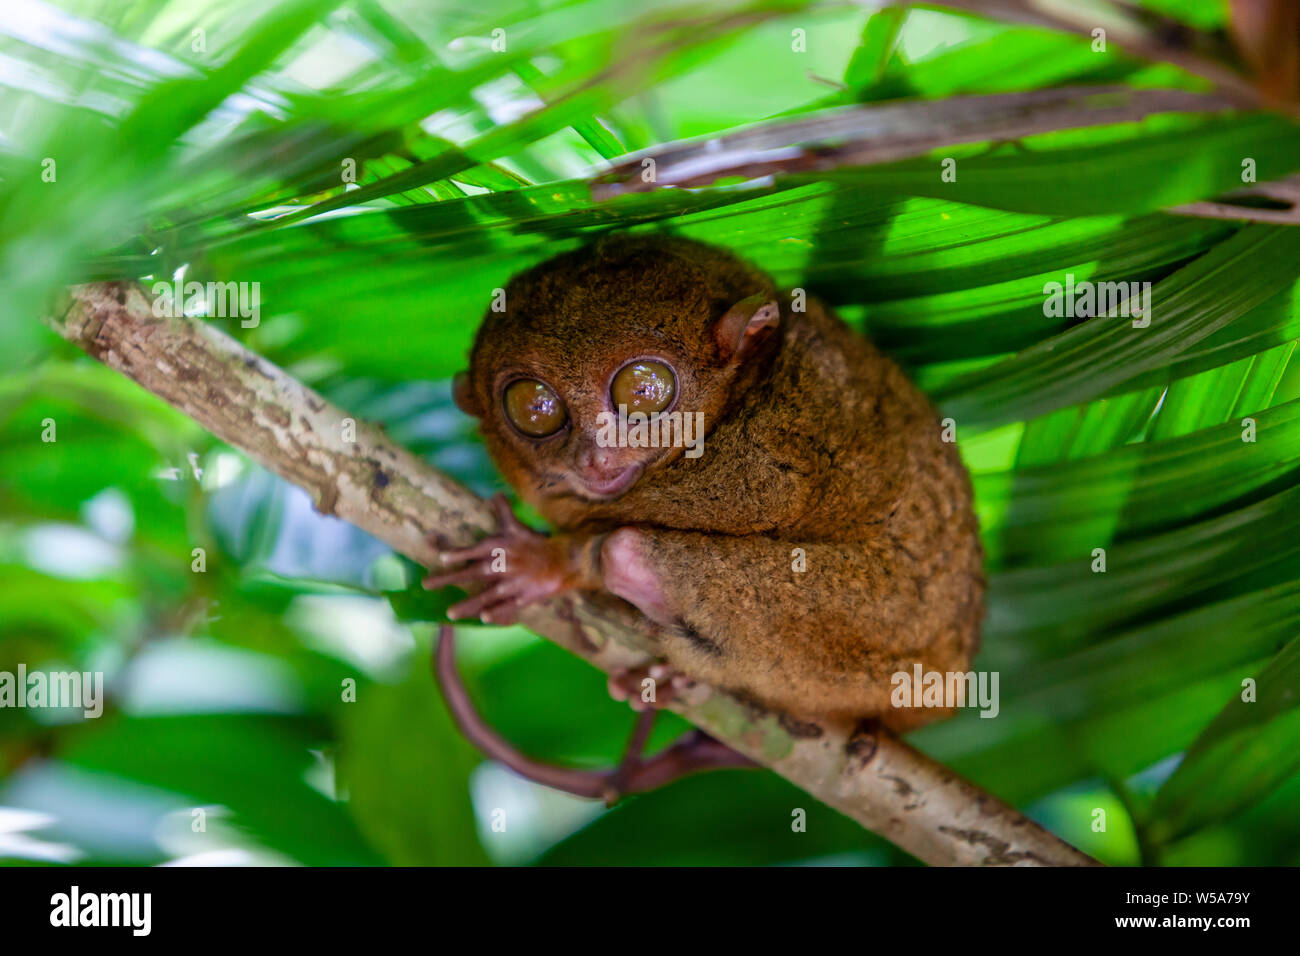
(515, 567)
(647, 688)
(636, 773)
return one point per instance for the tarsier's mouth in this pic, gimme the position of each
(605, 488)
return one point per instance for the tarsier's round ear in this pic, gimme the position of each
(745, 325)
(464, 397)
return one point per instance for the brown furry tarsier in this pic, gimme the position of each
(812, 440)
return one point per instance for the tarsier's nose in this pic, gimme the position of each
(605, 472)
(598, 462)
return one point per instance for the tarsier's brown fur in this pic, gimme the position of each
(814, 441)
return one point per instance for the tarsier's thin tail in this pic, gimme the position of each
(695, 751)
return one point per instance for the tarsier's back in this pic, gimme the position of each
(785, 505)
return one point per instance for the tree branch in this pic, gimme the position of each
(866, 773)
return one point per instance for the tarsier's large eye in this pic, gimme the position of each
(534, 408)
(644, 386)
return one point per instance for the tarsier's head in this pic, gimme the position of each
(653, 324)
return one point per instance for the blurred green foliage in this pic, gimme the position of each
(282, 695)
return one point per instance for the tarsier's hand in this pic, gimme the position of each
(517, 566)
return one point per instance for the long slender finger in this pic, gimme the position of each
(474, 606)
(477, 550)
(527, 590)
(473, 574)
(510, 525)
(617, 689)
(502, 614)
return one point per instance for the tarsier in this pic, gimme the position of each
(820, 540)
